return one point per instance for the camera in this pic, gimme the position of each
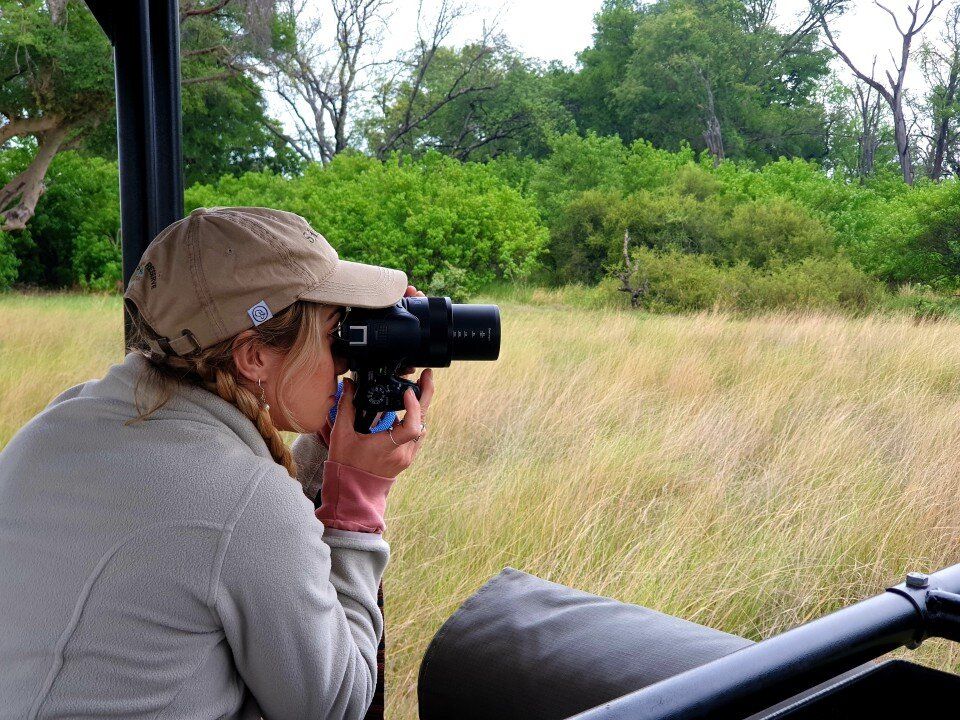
(414, 332)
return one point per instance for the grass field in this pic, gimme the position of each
(745, 474)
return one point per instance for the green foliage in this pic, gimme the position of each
(226, 128)
(664, 201)
(456, 225)
(8, 261)
(501, 103)
(593, 189)
(53, 69)
(924, 302)
(72, 239)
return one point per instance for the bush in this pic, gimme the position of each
(98, 260)
(672, 281)
(766, 232)
(8, 262)
(445, 223)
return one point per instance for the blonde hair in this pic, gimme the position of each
(297, 331)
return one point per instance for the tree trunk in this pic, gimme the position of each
(902, 138)
(28, 186)
(943, 124)
(713, 135)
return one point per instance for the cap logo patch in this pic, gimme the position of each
(260, 313)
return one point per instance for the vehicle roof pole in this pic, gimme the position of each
(145, 35)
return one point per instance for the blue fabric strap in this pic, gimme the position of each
(383, 424)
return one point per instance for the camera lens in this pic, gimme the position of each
(474, 332)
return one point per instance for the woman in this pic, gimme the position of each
(158, 557)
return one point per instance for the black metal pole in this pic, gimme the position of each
(145, 35)
(759, 676)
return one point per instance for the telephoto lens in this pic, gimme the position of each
(414, 332)
(419, 332)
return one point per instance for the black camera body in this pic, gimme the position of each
(414, 332)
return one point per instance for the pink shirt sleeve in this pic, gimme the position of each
(353, 499)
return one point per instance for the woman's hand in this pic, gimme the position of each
(379, 453)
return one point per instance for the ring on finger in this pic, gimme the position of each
(390, 433)
(423, 427)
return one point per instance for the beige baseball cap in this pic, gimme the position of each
(222, 270)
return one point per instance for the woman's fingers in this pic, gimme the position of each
(345, 409)
(415, 410)
(426, 388)
(410, 428)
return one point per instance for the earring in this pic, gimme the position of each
(263, 396)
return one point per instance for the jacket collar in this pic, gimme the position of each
(188, 401)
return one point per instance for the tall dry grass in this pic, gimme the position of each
(745, 474)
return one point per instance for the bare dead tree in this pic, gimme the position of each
(320, 78)
(713, 135)
(893, 91)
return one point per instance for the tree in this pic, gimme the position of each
(321, 83)
(430, 83)
(893, 92)
(513, 109)
(56, 87)
(57, 90)
(713, 73)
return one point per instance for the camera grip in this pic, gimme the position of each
(386, 420)
(378, 392)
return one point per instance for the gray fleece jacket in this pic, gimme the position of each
(172, 569)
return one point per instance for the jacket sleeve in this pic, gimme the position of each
(298, 605)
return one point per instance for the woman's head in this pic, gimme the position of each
(243, 301)
(281, 374)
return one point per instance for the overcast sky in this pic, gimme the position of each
(558, 29)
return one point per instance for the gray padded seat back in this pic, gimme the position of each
(526, 648)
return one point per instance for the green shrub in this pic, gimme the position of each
(671, 281)
(433, 217)
(814, 284)
(98, 260)
(8, 262)
(776, 230)
(924, 302)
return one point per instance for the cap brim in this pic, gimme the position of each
(357, 285)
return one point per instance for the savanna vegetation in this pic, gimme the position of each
(746, 473)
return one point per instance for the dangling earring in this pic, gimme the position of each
(263, 396)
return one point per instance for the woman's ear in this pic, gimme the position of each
(252, 358)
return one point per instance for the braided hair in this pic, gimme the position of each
(297, 330)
